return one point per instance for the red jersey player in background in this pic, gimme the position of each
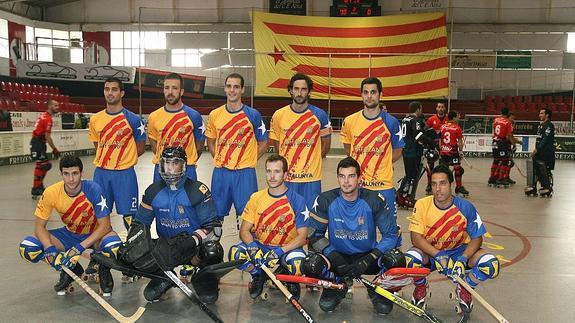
(40, 136)
(435, 122)
(450, 148)
(503, 144)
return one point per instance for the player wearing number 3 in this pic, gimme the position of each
(450, 148)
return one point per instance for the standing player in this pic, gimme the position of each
(374, 138)
(451, 148)
(187, 227)
(119, 136)
(447, 234)
(41, 135)
(352, 214)
(274, 226)
(176, 125)
(543, 156)
(301, 132)
(237, 138)
(412, 127)
(83, 210)
(435, 122)
(503, 143)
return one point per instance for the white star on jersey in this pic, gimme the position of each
(305, 214)
(478, 221)
(102, 203)
(262, 128)
(328, 125)
(203, 128)
(399, 134)
(142, 128)
(315, 203)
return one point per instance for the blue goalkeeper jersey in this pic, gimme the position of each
(352, 225)
(184, 209)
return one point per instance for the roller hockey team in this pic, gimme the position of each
(290, 226)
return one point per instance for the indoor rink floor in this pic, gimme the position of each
(532, 236)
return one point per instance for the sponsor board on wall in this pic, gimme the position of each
(25, 121)
(479, 60)
(73, 72)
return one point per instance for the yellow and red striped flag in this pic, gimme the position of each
(409, 54)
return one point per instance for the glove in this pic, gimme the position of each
(272, 256)
(53, 257)
(459, 267)
(357, 268)
(443, 263)
(72, 256)
(256, 254)
(56, 153)
(338, 263)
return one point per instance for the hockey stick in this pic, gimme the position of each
(294, 302)
(310, 281)
(481, 300)
(400, 277)
(400, 301)
(466, 161)
(115, 314)
(520, 171)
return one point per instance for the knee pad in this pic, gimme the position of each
(413, 258)
(45, 166)
(458, 170)
(31, 249)
(211, 253)
(109, 246)
(392, 259)
(315, 264)
(487, 267)
(240, 252)
(293, 261)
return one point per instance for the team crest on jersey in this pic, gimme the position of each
(361, 220)
(454, 228)
(309, 130)
(85, 214)
(241, 131)
(282, 218)
(183, 130)
(180, 209)
(119, 132)
(203, 188)
(379, 138)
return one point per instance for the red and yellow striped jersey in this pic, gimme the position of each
(276, 219)
(447, 228)
(79, 213)
(299, 135)
(181, 128)
(116, 135)
(237, 135)
(371, 142)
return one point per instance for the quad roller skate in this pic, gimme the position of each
(546, 192)
(461, 191)
(531, 191)
(404, 201)
(492, 182)
(37, 192)
(465, 303)
(91, 272)
(503, 183)
(64, 285)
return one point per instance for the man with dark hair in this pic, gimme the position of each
(119, 136)
(176, 125)
(301, 132)
(543, 156)
(351, 249)
(83, 210)
(374, 139)
(435, 122)
(413, 128)
(237, 138)
(503, 144)
(274, 228)
(41, 135)
(450, 149)
(453, 246)
(187, 226)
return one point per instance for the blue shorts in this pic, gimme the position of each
(232, 186)
(309, 191)
(67, 238)
(389, 196)
(453, 254)
(190, 173)
(119, 187)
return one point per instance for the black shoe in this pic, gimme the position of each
(381, 305)
(106, 280)
(207, 288)
(65, 280)
(294, 289)
(256, 286)
(330, 298)
(156, 288)
(37, 191)
(92, 267)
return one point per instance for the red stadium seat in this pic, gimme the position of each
(527, 99)
(548, 99)
(10, 86)
(511, 106)
(558, 99)
(537, 99)
(521, 107)
(4, 87)
(498, 99)
(488, 99)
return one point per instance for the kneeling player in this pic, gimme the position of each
(274, 226)
(85, 215)
(351, 249)
(450, 148)
(187, 226)
(447, 233)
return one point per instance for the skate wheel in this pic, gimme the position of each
(349, 294)
(451, 295)
(70, 289)
(85, 278)
(458, 310)
(264, 296)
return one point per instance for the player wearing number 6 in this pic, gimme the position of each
(503, 142)
(450, 148)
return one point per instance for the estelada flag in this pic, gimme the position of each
(408, 54)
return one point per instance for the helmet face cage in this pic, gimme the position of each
(172, 165)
